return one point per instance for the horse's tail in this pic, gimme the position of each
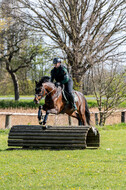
(87, 113)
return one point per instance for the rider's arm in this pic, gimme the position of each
(66, 75)
(52, 76)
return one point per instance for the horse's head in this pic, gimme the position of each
(43, 89)
(40, 92)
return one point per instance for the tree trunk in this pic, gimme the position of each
(16, 85)
(77, 78)
(102, 119)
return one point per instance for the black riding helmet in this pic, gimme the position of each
(56, 60)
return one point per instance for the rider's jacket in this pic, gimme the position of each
(60, 74)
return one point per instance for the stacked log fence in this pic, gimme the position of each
(59, 137)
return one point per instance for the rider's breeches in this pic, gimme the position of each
(68, 90)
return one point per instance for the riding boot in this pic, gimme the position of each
(72, 102)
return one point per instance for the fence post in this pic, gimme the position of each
(96, 118)
(8, 122)
(69, 120)
(122, 117)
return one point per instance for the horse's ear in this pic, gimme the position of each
(36, 82)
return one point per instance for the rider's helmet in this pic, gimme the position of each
(56, 60)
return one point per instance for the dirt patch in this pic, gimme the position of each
(57, 120)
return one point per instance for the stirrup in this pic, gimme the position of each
(74, 107)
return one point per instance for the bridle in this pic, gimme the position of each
(43, 92)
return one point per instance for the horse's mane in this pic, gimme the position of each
(43, 80)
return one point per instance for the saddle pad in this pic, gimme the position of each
(74, 94)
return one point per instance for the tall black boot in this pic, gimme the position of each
(72, 102)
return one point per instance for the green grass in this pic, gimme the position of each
(28, 103)
(19, 104)
(99, 169)
(92, 103)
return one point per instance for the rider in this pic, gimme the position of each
(61, 75)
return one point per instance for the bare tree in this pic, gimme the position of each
(87, 31)
(109, 85)
(15, 52)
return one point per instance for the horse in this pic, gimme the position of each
(56, 103)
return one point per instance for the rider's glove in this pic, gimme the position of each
(57, 84)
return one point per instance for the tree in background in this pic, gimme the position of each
(21, 50)
(22, 53)
(15, 53)
(87, 31)
(109, 86)
(40, 66)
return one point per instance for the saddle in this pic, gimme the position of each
(64, 94)
(65, 97)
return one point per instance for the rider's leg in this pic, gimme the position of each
(72, 101)
(68, 91)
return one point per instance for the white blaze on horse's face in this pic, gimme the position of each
(36, 99)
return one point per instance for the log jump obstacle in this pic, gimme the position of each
(54, 137)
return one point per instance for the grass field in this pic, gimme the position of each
(99, 169)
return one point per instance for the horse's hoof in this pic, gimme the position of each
(40, 122)
(44, 127)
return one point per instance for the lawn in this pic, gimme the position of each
(99, 169)
(27, 102)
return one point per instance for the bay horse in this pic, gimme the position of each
(55, 103)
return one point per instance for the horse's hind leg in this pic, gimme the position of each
(81, 113)
(79, 119)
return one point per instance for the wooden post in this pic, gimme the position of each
(8, 122)
(122, 117)
(69, 120)
(96, 118)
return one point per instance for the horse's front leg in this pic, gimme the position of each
(40, 116)
(45, 118)
(53, 111)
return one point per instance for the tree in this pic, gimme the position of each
(21, 50)
(39, 67)
(87, 31)
(15, 52)
(109, 85)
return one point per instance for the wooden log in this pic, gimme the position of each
(51, 141)
(48, 145)
(47, 137)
